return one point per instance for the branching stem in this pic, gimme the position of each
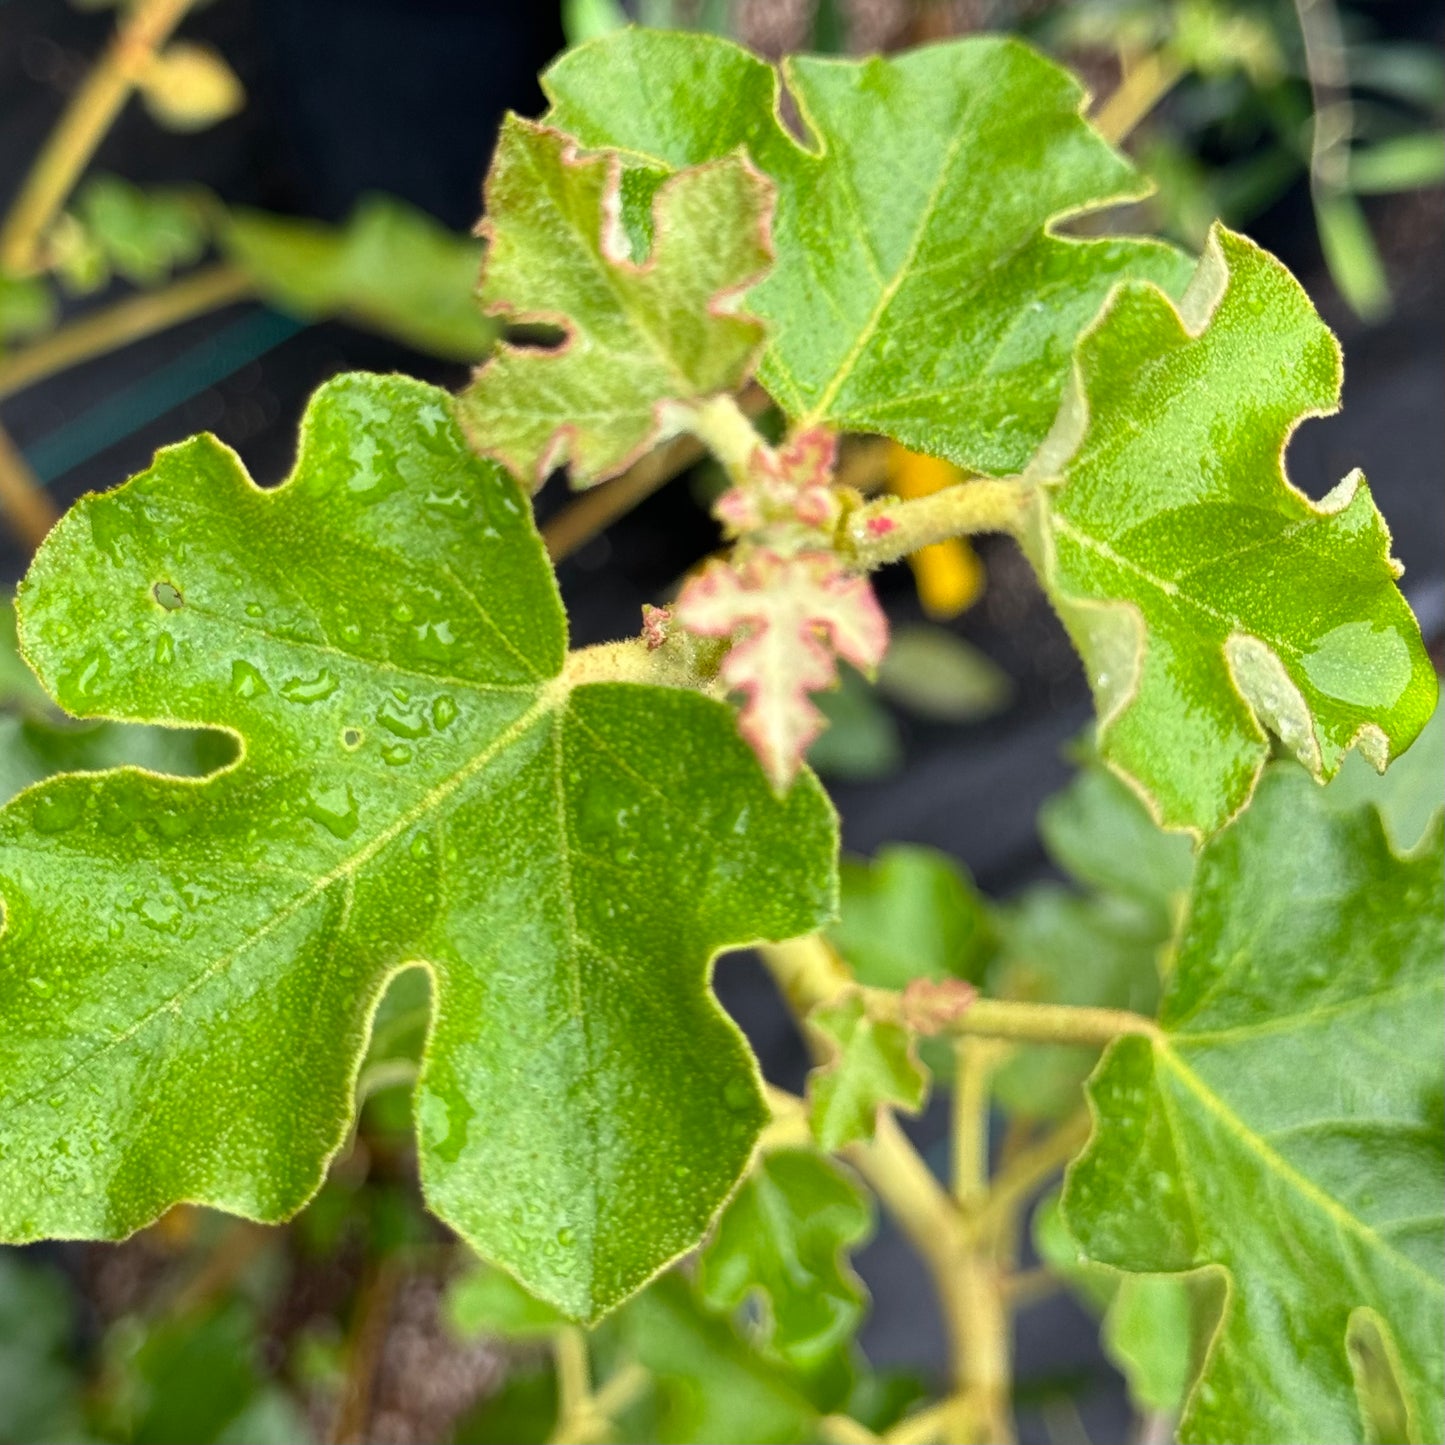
(143, 30)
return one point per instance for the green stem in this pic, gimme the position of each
(888, 529)
(1037, 1023)
(90, 114)
(129, 320)
(1144, 83)
(724, 429)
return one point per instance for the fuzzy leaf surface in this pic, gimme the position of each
(1285, 1123)
(1210, 599)
(918, 289)
(639, 333)
(784, 1236)
(189, 969)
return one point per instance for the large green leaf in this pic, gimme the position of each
(1285, 1123)
(1209, 598)
(783, 1237)
(918, 290)
(638, 333)
(188, 970)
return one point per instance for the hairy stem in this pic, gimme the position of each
(25, 504)
(1039, 1023)
(725, 429)
(888, 529)
(145, 28)
(129, 320)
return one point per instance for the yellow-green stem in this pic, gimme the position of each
(1146, 80)
(143, 30)
(724, 428)
(116, 326)
(26, 505)
(888, 529)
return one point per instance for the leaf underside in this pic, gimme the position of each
(1286, 1124)
(188, 968)
(918, 289)
(1209, 598)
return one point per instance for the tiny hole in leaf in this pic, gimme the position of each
(168, 596)
(351, 738)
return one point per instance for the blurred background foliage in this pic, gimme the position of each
(1320, 121)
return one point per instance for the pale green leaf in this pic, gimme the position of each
(911, 912)
(1210, 599)
(1284, 1124)
(919, 290)
(640, 332)
(143, 235)
(188, 970)
(783, 1237)
(390, 267)
(1402, 163)
(873, 1065)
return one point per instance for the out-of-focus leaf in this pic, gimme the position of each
(143, 235)
(712, 1385)
(189, 87)
(39, 1391)
(390, 267)
(584, 20)
(1408, 794)
(1351, 254)
(861, 738)
(1098, 830)
(936, 674)
(1404, 163)
(873, 1064)
(911, 912)
(523, 1411)
(27, 308)
(783, 1239)
(488, 1301)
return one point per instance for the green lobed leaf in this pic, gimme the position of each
(390, 267)
(1285, 1123)
(873, 1064)
(919, 290)
(783, 1237)
(1210, 599)
(188, 970)
(640, 330)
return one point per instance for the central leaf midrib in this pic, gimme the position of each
(548, 702)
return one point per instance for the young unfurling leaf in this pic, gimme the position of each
(640, 332)
(790, 617)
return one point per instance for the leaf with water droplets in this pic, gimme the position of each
(188, 969)
(641, 330)
(1212, 602)
(1284, 1122)
(919, 289)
